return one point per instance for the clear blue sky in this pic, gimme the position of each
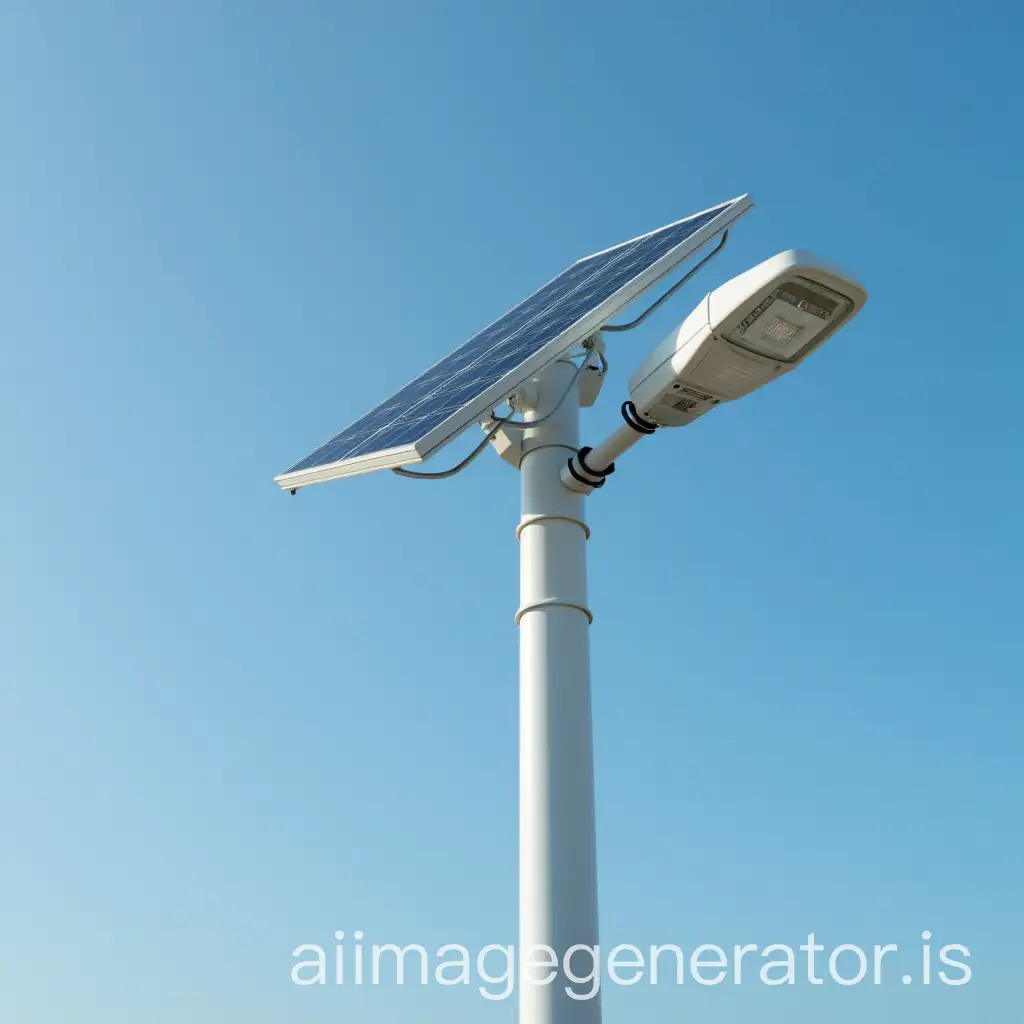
(234, 721)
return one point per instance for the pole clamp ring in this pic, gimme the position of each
(553, 602)
(584, 474)
(532, 519)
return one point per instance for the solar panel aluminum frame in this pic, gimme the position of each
(578, 332)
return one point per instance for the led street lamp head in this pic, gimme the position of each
(747, 332)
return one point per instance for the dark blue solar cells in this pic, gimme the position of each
(472, 369)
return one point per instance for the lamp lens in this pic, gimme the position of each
(799, 313)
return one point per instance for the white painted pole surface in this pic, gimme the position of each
(557, 843)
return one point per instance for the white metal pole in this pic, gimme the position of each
(557, 843)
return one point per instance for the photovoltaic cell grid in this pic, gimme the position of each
(465, 376)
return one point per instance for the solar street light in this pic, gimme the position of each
(746, 333)
(546, 358)
(751, 330)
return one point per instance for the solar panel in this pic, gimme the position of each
(464, 386)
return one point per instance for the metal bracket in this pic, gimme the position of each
(508, 444)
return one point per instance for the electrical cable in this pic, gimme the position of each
(413, 475)
(679, 284)
(635, 420)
